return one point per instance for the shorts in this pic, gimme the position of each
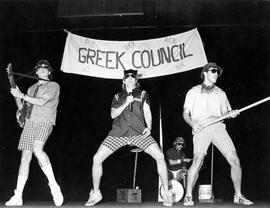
(34, 131)
(114, 142)
(215, 134)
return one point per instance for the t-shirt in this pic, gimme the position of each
(47, 112)
(204, 105)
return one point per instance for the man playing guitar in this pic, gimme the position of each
(42, 99)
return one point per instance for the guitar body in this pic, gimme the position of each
(21, 113)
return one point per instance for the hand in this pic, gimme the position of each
(129, 99)
(234, 113)
(146, 132)
(187, 160)
(197, 127)
(16, 92)
(19, 103)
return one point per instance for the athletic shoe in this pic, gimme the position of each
(188, 201)
(167, 199)
(57, 194)
(94, 198)
(241, 200)
(15, 200)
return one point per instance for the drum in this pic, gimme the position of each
(179, 175)
(176, 188)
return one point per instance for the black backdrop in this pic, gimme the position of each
(84, 114)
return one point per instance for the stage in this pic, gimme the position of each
(43, 204)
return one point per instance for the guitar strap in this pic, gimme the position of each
(31, 105)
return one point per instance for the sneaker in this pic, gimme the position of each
(57, 194)
(167, 199)
(15, 200)
(188, 201)
(241, 200)
(94, 197)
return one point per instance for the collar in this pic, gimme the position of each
(207, 89)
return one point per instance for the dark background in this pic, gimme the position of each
(235, 35)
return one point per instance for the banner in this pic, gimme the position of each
(152, 58)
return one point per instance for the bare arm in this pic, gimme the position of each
(42, 100)
(115, 112)
(187, 118)
(196, 126)
(148, 119)
(174, 162)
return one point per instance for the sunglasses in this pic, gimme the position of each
(179, 144)
(215, 71)
(129, 75)
(43, 66)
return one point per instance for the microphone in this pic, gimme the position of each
(130, 106)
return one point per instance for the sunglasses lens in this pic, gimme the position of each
(215, 70)
(43, 66)
(129, 75)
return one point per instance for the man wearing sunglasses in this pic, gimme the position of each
(132, 126)
(42, 99)
(205, 103)
(177, 161)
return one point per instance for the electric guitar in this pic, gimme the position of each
(21, 112)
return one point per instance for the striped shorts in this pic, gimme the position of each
(114, 142)
(215, 134)
(34, 131)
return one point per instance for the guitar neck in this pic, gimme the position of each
(12, 82)
(10, 76)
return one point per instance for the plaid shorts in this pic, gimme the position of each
(114, 143)
(34, 131)
(215, 134)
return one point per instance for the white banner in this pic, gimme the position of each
(152, 58)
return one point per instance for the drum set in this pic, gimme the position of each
(175, 185)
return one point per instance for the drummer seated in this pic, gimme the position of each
(177, 161)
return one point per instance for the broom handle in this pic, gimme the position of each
(240, 110)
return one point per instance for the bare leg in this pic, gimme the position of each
(46, 167)
(95, 195)
(25, 163)
(44, 161)
(156, 153)
(97, 169)
(23, 170)
(236, 170)
(193, 172)
(16, 200)
(42, 157)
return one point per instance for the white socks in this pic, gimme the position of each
(48, 171)
(20, 184)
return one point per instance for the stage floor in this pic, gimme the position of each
(143, 204)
